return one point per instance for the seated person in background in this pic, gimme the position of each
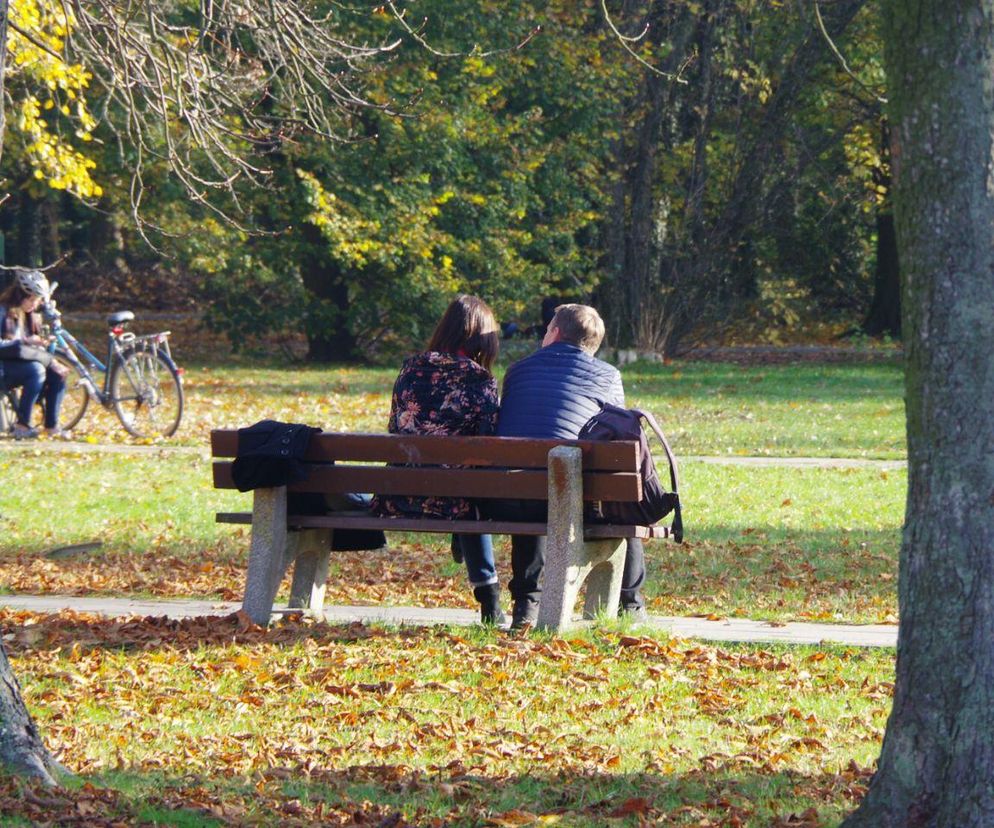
(24, 361)
(552, 393)
(449, 389)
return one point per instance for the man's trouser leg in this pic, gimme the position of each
(633, 577)
(527, 556)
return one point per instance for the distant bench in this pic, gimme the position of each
(565, 474)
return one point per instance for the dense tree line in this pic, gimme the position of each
(684, 163)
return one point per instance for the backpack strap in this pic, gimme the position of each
(677, 526)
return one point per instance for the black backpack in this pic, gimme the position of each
(615, 423)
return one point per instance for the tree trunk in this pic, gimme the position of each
(28, 231)
(629, 234)
(703, 280)
(329, 335)
(884, 316)
(21, 749)
(937, 760)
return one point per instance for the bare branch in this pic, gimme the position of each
(474, 52)
(33, 40)
(207, 96)
(64, 257)
(626, 40)
(839, 56)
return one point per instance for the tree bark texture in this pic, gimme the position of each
(21, 748)
(937, 762)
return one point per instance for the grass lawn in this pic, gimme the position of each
(210, 722)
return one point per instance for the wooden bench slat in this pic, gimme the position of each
(477, 483)
(512, 452)
(343, 520)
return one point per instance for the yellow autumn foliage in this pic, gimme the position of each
(46, 88)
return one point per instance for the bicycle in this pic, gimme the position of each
(140, 380)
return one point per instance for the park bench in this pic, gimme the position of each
(565, 474)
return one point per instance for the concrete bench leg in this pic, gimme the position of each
(568, 558)
(309, 548)
(268, 558)
(599, 563)
(604, 580)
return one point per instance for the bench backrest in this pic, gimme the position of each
(478, 467)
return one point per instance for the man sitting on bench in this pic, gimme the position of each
(552, 393)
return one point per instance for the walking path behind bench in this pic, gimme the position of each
(725, 629)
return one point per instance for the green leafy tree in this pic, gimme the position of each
(729, 159)
(488, 181)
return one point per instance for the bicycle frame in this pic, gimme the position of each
(69, 344)
(119, 342)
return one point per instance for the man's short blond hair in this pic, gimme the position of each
(580, 325)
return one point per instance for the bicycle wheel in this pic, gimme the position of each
(146, 392)
(74, 403)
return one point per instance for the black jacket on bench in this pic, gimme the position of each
(271, 453)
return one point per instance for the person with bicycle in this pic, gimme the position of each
(25, 361)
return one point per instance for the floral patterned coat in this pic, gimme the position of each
(444, 394)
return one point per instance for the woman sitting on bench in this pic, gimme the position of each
(449, 390)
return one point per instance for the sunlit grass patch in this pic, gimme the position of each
(820, 410)
(807, 409)
(783, 543)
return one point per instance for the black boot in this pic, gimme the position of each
(489, 598)
(524, 613)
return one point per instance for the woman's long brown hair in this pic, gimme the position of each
(468, 325)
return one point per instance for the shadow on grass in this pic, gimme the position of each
(454, 795)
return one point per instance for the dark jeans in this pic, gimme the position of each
(33, 379)
(528, 555)
(478, 553)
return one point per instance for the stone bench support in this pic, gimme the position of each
(569, 560)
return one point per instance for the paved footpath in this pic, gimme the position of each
(726, 629)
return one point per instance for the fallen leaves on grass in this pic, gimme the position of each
(775, 581)
(305, 723)
(405, 574)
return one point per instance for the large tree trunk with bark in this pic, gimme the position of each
(21, 748)
(937, 763)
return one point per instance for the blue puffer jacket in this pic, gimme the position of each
(553, 392)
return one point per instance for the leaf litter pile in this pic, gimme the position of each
(216, 721)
